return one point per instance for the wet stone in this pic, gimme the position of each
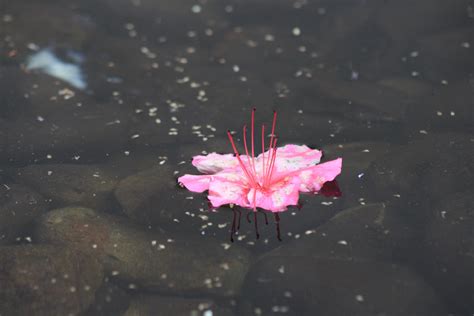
(304, 285)
(19, 206)
(68, 134)
(46, 280)
(448, 256)
(450, 51)
(151, 196)
(143, 305)
(372, 231)
(109, 300)
(151, 260)
(424, 170)
(69, 184)
(357, 157)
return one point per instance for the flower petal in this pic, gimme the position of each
(224, 190)
(195, 183)
(213, 162)
(276, 200)
(312, 179)
(293, 157)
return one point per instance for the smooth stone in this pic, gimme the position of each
(357, 157)
(109, 300)
(447, 259)
(85, 133)
(70, 184)
(443, 55)
(19, 206)
(151, 196)
(53, 280)
(151, 260)
(437, 15)
(391, 104)
(369, 232)
(305, 285)
(425, 170)
(145, 305)
(407, 86)
(448, 108)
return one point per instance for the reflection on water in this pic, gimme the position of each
(93, 223)
(45, 61)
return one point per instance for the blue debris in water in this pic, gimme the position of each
(47, 62)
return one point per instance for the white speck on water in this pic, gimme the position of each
(359, 298)
(296, 31)
(47, 62)
(196, 8)
(414, 54)
(465, 44)
(281, 269)
(422, 131)
(443, 214)
(208, 313)
(40, 119)
(360, 175)
(452, 113)
(342, 242)
(326, 203)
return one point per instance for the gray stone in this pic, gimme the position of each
(68, 134)
(19, 206)
(448, 256)
(148, 194)
(46, 280)
(372, 231)
(305, 285)
(69, 184)
(152, 260)
(424, 170)
(110, 299)
(444, 55)
(147, 305)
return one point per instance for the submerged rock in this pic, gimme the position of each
(109, 300)
(19, 206)
(372, 231)
(147, 196)
(304, 285)
(149, 260)
(46, 280)
(448, 256)
(425, 170)
(69, 184)
(144, 305)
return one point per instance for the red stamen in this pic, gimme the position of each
(237, 155)
(263, 152)
(253, 174)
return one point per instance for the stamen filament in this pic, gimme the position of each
(237, 155)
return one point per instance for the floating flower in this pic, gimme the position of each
(271, 181)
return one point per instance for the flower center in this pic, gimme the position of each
(258, 177)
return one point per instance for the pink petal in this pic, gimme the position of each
(213, 162)
(313, 178)
(195, 183)
(293, 157)
(277, 200)
(225, 190)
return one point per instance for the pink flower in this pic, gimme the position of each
(271, 181)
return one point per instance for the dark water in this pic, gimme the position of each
(92, 221)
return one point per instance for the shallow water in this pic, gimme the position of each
(92, 221)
